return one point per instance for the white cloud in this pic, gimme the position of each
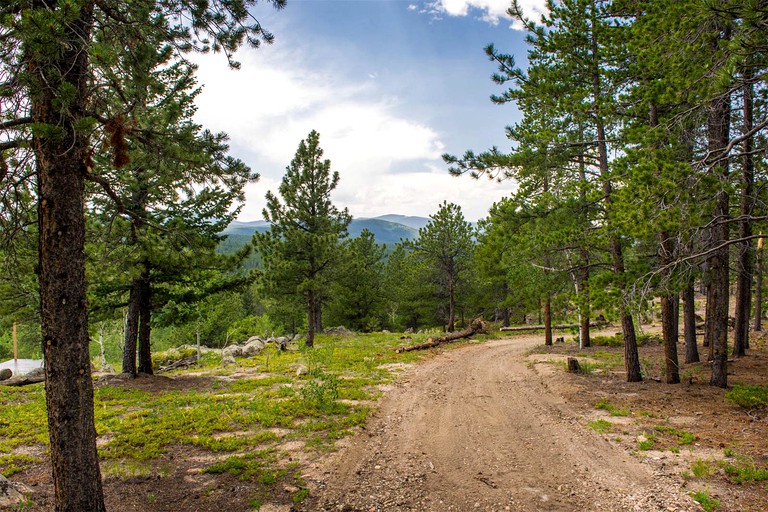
(492, 10)
(273, 102)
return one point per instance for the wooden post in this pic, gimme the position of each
(15, 344)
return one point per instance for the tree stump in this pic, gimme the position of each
(573, 365)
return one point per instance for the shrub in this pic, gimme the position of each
(749, 397)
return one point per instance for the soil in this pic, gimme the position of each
(494, 426)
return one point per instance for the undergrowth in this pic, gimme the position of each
(314, 396)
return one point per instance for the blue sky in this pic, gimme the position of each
(389, 84)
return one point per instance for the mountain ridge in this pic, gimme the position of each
(386, 229)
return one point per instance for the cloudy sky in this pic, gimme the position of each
(390, 85)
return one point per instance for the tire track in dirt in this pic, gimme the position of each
(476, 428)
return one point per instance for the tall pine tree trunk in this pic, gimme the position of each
(746, 262)
(669, 323)
(670, 334)
(145, 314)
(759, 286)
(59, 61)
(631, 356)
(451, 304)
(584, 307)
(132, 328)
(689, 321)
(718, 136)
(311, 309)
(548, 320)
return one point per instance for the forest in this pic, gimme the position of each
(639, 161)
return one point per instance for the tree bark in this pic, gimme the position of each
(132, 328)
(584, 335)
(62, 164)
(689, 321)
(310, 340)
(758, 326)
(548, 320)
(718, 136)
(451, 304)
(145, 328)
(670, 334)
(746, 260)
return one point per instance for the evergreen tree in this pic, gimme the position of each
(303, 244)
(357, 294)
(174, 192)
(445, 245)
(52, 51)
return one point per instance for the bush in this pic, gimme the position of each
(749, 397)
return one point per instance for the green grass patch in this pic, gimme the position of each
(252, 465)
(611, 409)
(748, 397)
(606, 341)
(129, 468)
(744, 471)
(300, 495)
(600, 426)
(648, 443)
(244, 420)
(15, 463)
(705, 500)
(683, 437)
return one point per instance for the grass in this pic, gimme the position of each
(600, 426)
(611, 409)
(648, 443)
(705, 500)
(683, 437)
(241, 422)
(744, 470)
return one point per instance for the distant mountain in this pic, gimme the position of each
(246, 228)
(412, 222)
(385, 231)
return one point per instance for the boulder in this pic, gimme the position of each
(253, 346)
(5, 374)
(10, 497)
(338, 331)
(232, 351)
(227, 360)
(282, 342)
(297, 337)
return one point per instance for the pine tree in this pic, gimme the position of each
(174, 192)
(51, 50)
(357, 294)
(303, 243)
(445, 245)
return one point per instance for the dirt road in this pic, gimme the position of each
(477, 429)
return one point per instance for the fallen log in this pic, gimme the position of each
(35, 376)
(541, 327)
(181, 363)
(478, 326)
